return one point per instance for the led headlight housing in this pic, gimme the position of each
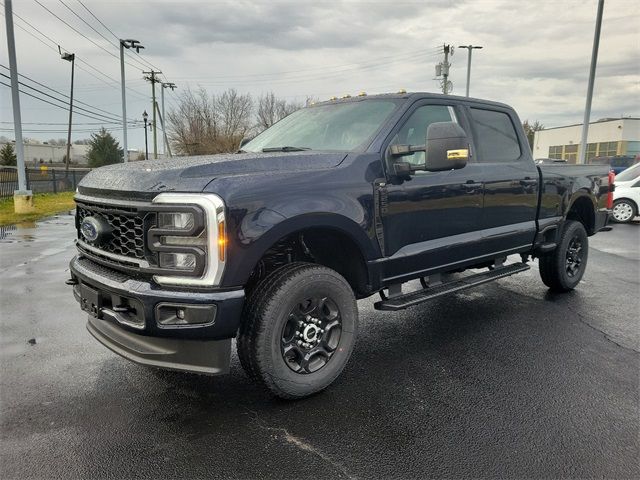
(187, 238)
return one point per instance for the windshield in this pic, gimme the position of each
(629, 174)
(339, 126)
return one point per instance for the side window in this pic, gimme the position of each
(496, 137)
(414, 130)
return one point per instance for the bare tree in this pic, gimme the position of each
(271, 109)
(204, 124)
(530, 130)
(233, 111)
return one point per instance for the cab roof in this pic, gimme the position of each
(412, 96)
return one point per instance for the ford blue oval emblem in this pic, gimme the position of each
(91, 228)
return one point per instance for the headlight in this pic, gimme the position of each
(189, 239)
(178, 261)
(176, 221)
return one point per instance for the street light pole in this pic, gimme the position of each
(70, 57)
(470, 49)
(135, 44)
(145, 117)
(582, 153)
(22, 198)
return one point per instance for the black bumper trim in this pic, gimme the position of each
(211, 357)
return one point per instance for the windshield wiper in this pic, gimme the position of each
(285, 149)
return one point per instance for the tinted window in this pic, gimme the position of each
(414, 130)
(496, 138)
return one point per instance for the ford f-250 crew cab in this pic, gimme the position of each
(341, 200)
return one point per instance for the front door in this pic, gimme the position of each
(433, 218)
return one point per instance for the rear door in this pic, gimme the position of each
(510, 179)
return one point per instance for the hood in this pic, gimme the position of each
(192, 174)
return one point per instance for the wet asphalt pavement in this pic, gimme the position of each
(506, 380)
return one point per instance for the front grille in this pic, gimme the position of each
(127, 238)
(103, 271)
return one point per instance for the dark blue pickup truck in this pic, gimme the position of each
(341, 200)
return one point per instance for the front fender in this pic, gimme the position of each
(261, 230)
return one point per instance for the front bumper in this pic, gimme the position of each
(123, 314)
(209, 357)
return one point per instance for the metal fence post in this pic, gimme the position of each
(75, 183)
(28, 180)
(53, 176)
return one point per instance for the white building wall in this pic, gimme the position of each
(627, 129)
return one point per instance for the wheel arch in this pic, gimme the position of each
(583, 210)
(327, 239)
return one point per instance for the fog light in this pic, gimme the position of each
(171, 314)
(176, 221)
(178, 261)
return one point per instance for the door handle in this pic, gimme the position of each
(470, 184)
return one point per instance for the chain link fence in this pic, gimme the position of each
(41, 180)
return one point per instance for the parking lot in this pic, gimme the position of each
(506, 380)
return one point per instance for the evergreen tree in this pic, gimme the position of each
(104, 149)
(8, 156)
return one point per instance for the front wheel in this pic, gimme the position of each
(562, 269)
(298, 330)
(623, 211)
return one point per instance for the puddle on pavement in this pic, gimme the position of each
(24, 231)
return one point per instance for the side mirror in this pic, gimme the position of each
(447, 147)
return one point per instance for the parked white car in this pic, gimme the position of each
(626, 196)
(628, 176)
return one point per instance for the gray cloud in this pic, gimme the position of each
(535, 56)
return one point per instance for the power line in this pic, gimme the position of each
(59, 100)
(115, 83)
(83, 35)
(65, 95)
(114, 35)
(63, 107)
(335, 68)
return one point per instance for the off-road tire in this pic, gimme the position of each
(266, 313)
(554, 266)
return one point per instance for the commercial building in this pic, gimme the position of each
(607, 137)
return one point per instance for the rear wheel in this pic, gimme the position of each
(299, 330)
(623, 210)
(562, 269)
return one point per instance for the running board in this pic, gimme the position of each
(414, 298)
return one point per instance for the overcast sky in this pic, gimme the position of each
(536, 53)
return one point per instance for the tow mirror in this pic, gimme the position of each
(447, 147)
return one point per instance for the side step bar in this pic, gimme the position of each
(401, 302)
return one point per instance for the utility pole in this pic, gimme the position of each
(164, 134)
(442, 69)
(135, 44)
(592, 75)
(22, 198)
(151, 76)
(172, 86)
(470, 48)
(70, 57)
